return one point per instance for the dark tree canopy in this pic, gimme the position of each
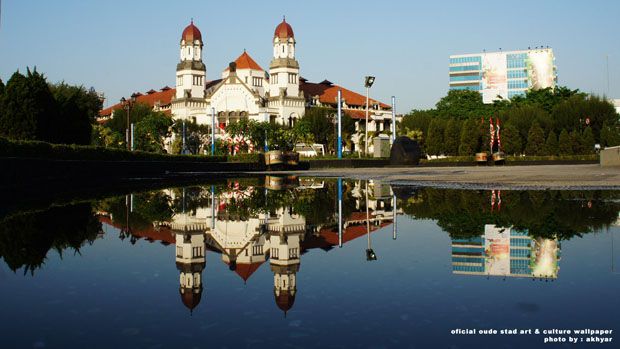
(29, 110)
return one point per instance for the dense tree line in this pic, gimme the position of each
(33, 109)
(544, 122)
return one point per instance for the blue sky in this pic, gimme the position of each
(124, 46)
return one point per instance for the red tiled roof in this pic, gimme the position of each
(191, 33)
(328, 93)
(163, 234)
(246, 62)
(284, 31)
(164, 97)
(246, 270)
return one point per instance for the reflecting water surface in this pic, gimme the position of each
(277, 261)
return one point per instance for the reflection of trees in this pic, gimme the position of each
(149, 207)
(26, 238)
(463, 213)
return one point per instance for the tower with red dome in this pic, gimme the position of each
(190, 260)
(191, 71)
(284, 92)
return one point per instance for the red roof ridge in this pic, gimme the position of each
(244, 61)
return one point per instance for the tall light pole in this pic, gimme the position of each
(212, 131)
(368, 81)
(393, 119)
(127, 105)
(339, 144)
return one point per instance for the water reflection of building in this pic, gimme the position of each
(506, 252)
(246, 239)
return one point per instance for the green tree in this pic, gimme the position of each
(587, 141)
(564, 143)
(415, 124)
(104, 137)
(573, 112)
(150, 132)
(511, 140)
(576, 142)
(523, 116)
(551, 145)
(470, 134)
(77, 110)
(610, 136)
(462, 104)
(435, 140)
(197, 137)
(535, 140)
(118, 122)
(452, 137)
(29, 110)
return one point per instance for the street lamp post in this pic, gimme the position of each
(127, 105)
(339, 138)
(368, 81)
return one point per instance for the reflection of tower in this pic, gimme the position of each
(190, 258)
(285, 241)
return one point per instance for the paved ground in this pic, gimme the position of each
(515, 177)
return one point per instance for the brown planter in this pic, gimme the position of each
(481, 157)
(291, 158)
(274, 157)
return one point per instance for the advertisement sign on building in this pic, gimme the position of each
(540, 69)
(494, 77)
(497, 250)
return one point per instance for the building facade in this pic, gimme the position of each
(245, 90)
(503, 75)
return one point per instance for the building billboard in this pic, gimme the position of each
(544, 262)
(494, 77)
(540, 69)
(497, 250)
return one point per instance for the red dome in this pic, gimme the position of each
(189, 298)
(284, 31)
(191, 33)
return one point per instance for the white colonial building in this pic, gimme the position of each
(245, 90)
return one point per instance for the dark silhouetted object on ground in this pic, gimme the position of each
(405, 151)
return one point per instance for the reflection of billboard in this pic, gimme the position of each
(540, 69)
(544, 262)
(497, 250)
(494, 77)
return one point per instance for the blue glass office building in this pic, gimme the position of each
(503, 75)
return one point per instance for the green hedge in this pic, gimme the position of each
(36, 149)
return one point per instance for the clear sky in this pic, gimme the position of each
(124, 46)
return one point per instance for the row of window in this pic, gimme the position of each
(292, 78)
(466, 59)
(515, 74)
(514, 84)
(468, 268)
(465, 68)
(474, 77)
(197, 80)
(468, 88)
(292, 253)
(520, 63)
(516, 56)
